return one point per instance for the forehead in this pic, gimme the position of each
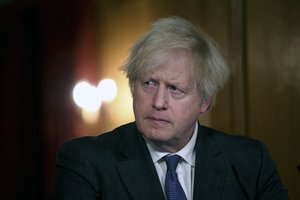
(174, 66)
(172, 60)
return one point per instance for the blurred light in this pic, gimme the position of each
(86, 96)
(89, 117)
(107, 89)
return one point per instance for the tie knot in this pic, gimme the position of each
(172, 161)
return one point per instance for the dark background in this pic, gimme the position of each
(37, 58)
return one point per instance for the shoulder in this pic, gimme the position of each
(102, 143)
(249, 162)
(235, 143)
(238, 150)
(241, 152)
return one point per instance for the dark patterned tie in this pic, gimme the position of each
(173, 188)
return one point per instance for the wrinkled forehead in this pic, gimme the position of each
(160, 59)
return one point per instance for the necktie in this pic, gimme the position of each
(173, 188)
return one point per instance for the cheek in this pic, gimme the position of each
(140, 101)
(187, 111)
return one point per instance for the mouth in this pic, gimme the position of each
(157, 120)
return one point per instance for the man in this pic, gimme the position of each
(174, 73)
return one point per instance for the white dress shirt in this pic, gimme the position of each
(185, 168)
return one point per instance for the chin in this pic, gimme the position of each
(156, 135)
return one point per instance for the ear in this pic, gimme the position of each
(204, 106)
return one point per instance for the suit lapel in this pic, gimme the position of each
(138, 172)
(210, 171)
(136, 168)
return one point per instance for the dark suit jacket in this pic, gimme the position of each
(118, 166)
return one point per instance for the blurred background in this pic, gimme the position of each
(47, 47)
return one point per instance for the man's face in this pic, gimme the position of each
(166, 102)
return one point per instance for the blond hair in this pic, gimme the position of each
(209, 69)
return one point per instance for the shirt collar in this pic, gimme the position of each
(187, 152)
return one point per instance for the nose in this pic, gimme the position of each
(160, 98)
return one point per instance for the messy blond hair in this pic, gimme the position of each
(209, 69)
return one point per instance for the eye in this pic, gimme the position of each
(173, 88)
(175, 91)
(149, 85)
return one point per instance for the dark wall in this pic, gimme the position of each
(22, 167)
(37, 58)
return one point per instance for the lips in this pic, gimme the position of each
(158, 120)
